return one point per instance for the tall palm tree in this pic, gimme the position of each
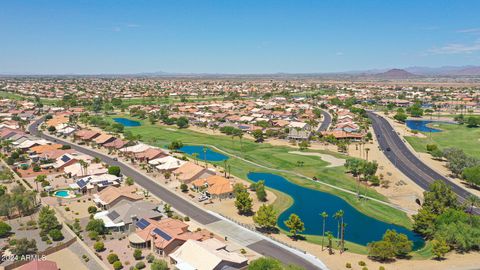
(225, 167)
(329, 237)
(337, 216)
(205, 156)
(84, 166)
(324, 217)
(366, 152)
(340, 214)
(344, 225)
(194, 156)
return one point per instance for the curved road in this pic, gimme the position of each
(327, 119)
(264, 247)
(406, 161)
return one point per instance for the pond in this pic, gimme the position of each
(422, 125)
(127, 122)
(309, 204)
(209, 155)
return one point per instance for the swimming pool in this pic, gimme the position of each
(127, 122)
(209, 155)
(63, 194)
(309, 204)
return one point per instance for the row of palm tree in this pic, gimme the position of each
(340, 231)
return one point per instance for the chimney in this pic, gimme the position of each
(133, 226)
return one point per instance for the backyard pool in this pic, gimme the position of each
(309, 204)
(209, 155)
(127, 122)
(422, 125)
(63, 194)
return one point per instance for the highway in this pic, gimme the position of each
(261, 246)
(409, 164)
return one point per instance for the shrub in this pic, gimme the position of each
(186, 219)
(4, 229)
(150, 257)
(348, 265)
(55, 234)
(96, 225)
(112, 257)
(99, 246)
(140, 265)
(159, 265)
(36, 168)
(117, 265)
(67, 208)
(114, 170)
(137, 254)
(362, 263)
(381, 268)
(184, 187)
(431, 147)
(92, 209)
(93, 235)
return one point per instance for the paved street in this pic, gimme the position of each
(327, 120)
(406, 161)
(264, 247)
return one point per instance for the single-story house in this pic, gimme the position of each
(211, 254)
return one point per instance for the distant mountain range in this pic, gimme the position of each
(446, 70)
(395, 73)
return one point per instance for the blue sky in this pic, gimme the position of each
(229, 36)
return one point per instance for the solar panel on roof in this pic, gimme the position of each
(113, 215)
(103, 183)
(142, 223)
(65, 158)
(162, 234)
(81, 183)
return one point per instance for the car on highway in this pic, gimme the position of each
(388, 149)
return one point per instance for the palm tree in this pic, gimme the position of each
(366, 153)
(324, 216)
(339, 217)
(84, 165)
(225, 167)
(205, 156)
(330, 237)
(344, 225)
(194, 156)
(240, 136)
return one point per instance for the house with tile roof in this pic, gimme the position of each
(190, 171)
(211, 254)
(214, 186)
(121, 216)
(163, 236)
(110, 196)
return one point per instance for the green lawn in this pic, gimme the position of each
(276, 157)
(10, 95)
(459, 136)
(168, 100)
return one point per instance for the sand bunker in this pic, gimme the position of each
(334, 162)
